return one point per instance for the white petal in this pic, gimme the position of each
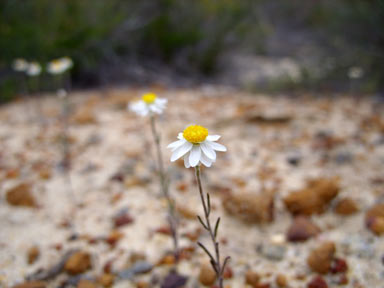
(139, 108)
(181, 151)
(180, 136)
(217, 146)
(208, 150)
(213, 137)
(194, 155)
(161, 101)
(155, 109)
(206, 161)
(176, 144)
(186, 161)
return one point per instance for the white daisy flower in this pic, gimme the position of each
(148, 104)
(196, 146)
(355, 72)
(20, 65)
(59, 66)
(34, 69)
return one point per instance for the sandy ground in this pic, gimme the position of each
(106, 140)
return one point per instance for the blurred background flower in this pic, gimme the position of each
(34, 69)
(20, 65)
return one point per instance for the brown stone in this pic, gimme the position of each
(249, 207)
(21, 195)
(186, 212)
(32, 254)
(78, 263)
(135, 257)
(45, 173)
(374, 219)
(317, 282)
(167, 260)
(114, 237)
(301, 229)
(320, 259)
(106, 280)
(84, 283)
(228, 272)
(252, 278)
(122, 220)
(142, 284)
(346, 206)
(207, 275)
(84, 116)
(281, 281)
(32, 284)
(339, 266)
(314, 198)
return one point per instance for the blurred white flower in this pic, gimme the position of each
(149, 103)
(20, 65)
(59, 66)
(34, 69)
(355, 72)
(61, 93)
(196, 146)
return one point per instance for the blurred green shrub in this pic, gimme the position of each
(99, 31)
(188, 35)
(352, 32)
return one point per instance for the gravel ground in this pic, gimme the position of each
(275, 143)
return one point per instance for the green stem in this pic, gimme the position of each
(216, 263)
(172, 219)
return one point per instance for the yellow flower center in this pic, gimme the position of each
(195, 133)
(149, 98)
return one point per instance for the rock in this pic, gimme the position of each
(249, 207)
(342, 279)
(314, 198)
(78, 263)
(274, 252)
(186, 212)
(317, 282)
(343, 158)
(122, 218)
(33, 254)
(207, 275)
(301, 229)
(269, 120)
(294, 158)
(174, 280)
(84, 116)
(346, 206)
(114, 237)
(168, 259)
(85, 283)
(374, 219)
(140, 267)
(320, 259)
(377, 226)
(142, 284)
(21, 195)
(324, 140)
(281, 281)
(53, 271)
(339, 266)
(32, 284)
(136, 256)
(228, 272)
(106, 279)
(252, 278)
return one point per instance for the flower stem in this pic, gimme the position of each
(215, 261)
(172, 218)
